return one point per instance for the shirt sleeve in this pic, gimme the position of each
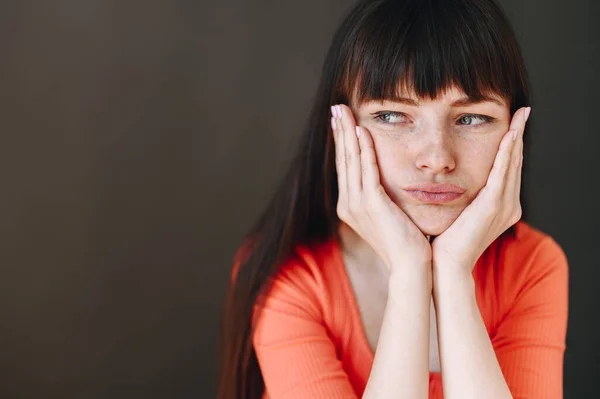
(296, 356)
(531, 340)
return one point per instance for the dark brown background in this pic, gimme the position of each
(139, 139)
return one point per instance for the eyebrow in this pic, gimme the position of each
(461, 102)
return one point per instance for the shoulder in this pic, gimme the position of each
(300, 296)
(309, 267)
(529, 258)
(532, 245)
(305, 278)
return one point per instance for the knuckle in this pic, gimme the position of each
(338, 160)
(363, 167)
(517, 161)
(349, 156)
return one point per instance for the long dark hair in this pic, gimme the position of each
(381, 45)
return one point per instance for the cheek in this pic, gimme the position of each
(477, 161)
(393, 160)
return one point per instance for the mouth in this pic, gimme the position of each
(435, 193)
(433, 198)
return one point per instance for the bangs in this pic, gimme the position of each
(427, 47)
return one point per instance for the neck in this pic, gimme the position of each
(357, 250)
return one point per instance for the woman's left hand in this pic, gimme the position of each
(495, 208)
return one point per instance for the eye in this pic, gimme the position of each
(392, 118)
(388, 117)
(470, 117)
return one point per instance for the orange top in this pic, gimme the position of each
(310, 342)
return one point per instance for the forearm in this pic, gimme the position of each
(401, 364)
(468, 362)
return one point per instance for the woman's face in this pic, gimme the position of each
(441, 141)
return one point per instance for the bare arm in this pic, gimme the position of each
(526, 352)
(469, 365)
(401, 365)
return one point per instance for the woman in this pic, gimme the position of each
(393, 256)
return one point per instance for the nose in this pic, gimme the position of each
(435, 154)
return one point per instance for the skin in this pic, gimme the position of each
(386, 233)
(434, 142)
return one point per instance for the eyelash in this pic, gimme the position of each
(486, 119)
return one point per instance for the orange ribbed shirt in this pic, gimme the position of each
(310, 342)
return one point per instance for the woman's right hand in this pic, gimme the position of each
(363, 203)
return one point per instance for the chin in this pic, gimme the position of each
(432, 220)
(432, 228)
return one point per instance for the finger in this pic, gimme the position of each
(514, 170)
(513, 181)
(334, 132)
(518, 120)
(517, 185)
(340, 159)
(352, 151)
(368, 160)
(498, 175)
(522, 118)
(517, 193)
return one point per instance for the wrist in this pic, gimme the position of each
(451, 270)
(402, 263)
(411, 275)
(453, 279)
(411, 288)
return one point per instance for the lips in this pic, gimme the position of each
(436, 188)
(435, 193)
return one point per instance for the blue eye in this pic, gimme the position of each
(384, 117)
(484, 118)
(387, 117)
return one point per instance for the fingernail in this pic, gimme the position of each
(339, 110)
(333, 110)
(514, 136)
(527, 112)
(357, 131)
